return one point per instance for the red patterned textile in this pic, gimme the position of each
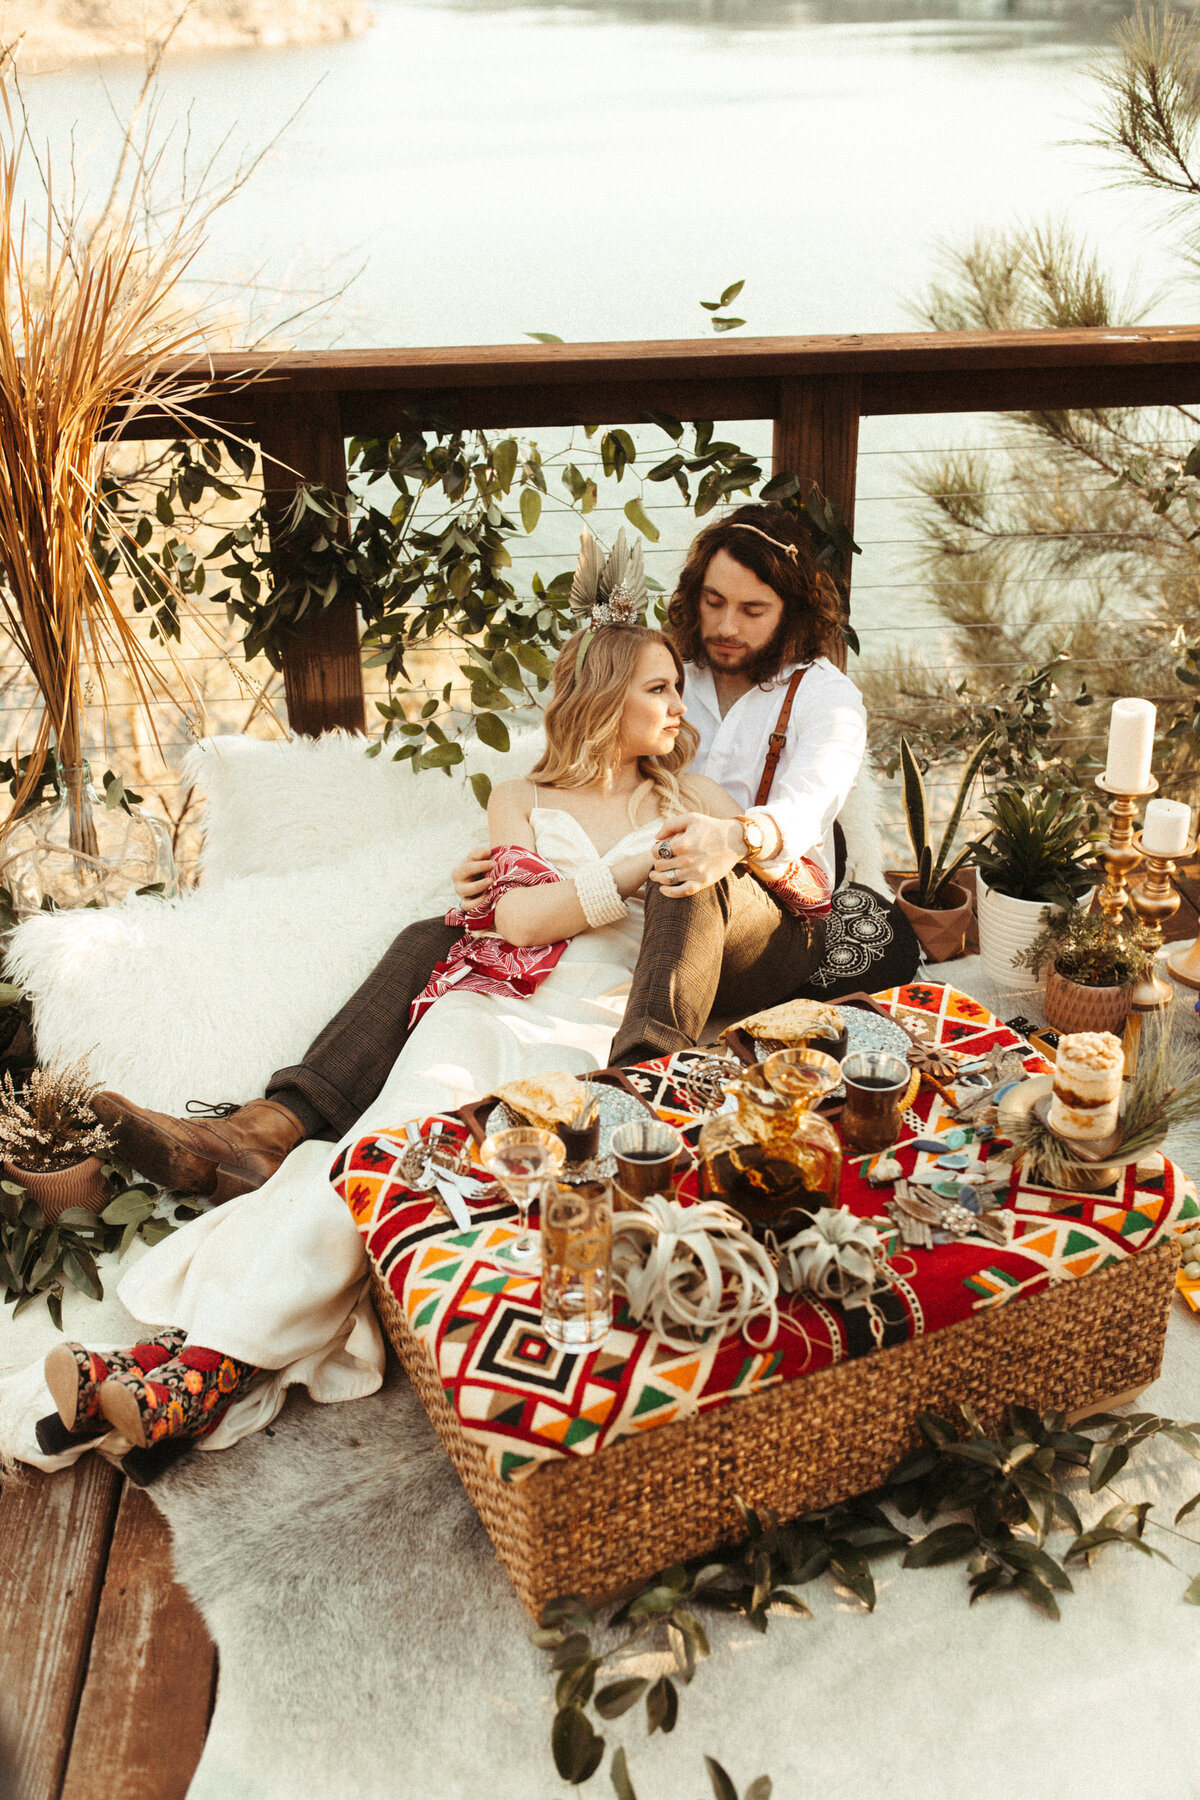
(804, 889)
(524, 1401)
(487, 964)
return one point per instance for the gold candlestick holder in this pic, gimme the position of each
(1120, 856)
(1154, 901)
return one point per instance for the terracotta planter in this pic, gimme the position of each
(1069, 1006)
(58, 1190)
(941, 932)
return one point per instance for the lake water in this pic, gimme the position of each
(598, 169)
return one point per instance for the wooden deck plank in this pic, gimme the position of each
(54, 1536)
(144, 1712)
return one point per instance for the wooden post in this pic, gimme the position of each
(816, 436)
(322, 667)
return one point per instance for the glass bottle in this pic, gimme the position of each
(78, 851)
(775, 1160)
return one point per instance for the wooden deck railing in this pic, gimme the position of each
(302, 406)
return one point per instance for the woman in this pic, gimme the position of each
(271, 1288)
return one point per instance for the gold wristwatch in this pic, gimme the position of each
(754, 836)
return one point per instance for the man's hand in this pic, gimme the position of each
(472, 878)
(703, 851)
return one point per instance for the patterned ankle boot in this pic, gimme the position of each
(74, 1376)
(185, 1397)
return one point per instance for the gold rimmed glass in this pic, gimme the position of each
(523, 1159)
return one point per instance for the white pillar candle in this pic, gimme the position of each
(1168, 828)
(1130, 746)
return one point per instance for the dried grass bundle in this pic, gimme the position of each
(88, 326)
(50, 1123)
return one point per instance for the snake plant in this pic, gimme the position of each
(935, 873)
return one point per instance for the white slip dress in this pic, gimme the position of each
(278, 1277)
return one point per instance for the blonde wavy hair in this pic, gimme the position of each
(583, 716)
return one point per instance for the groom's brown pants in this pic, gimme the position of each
(729, 949)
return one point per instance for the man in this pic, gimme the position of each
(759, 627)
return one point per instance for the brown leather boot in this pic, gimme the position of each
(219, 1157)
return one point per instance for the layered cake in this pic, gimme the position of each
(1088, 1071)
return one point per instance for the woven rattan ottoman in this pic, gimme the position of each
(593, 1471)
(598, 1525)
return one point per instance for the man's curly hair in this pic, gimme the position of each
(813, 610)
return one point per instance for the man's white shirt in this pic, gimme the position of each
(826, 742)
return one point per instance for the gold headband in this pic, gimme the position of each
(791, 551)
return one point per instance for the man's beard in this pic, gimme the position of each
(757, 665)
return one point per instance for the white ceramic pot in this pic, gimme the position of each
(1006, 927)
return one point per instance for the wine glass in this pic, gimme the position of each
(522, 1158)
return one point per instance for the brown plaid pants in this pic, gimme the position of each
(731, 949)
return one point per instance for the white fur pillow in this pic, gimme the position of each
(203, 997)
(275, 805)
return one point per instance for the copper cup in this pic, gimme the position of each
(876, 1083)
(646, 1151)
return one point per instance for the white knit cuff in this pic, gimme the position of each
(599, 895)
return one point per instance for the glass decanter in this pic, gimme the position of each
(77, 851)
(775, 1160)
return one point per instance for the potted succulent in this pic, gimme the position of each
(51, 1141)
(937, 907)
(1038, 854)
(1092, 963)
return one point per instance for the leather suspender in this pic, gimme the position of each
(778, 738)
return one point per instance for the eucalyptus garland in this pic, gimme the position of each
(1008, 1501)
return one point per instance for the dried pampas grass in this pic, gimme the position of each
(89, 329)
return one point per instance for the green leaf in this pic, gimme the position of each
(9, 994)
(492, 730)
(481, 787)
(568, 1609)
(504, 462)
(80, 1269)
(576, 1749)
(1189, 1506)
(1037, 1592)
(544, 337)
(662, 1705)
(916, 810)
(1192, 1592)
(949, 1543)
(722, 1786)
(573, 1650)
(619, 1776)
(1106, 1461)
(760, 1788)
(619, 1696)
(531, 507)
(574, 1685)
(727, 324)
(731, 293)
(131, 1207)
(636, 514)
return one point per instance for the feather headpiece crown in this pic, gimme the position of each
(609, 591)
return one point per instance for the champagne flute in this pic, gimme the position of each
(523, 1159)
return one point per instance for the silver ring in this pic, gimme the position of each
(663, 850)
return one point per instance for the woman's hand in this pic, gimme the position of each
(472, 878)
(703, 851)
